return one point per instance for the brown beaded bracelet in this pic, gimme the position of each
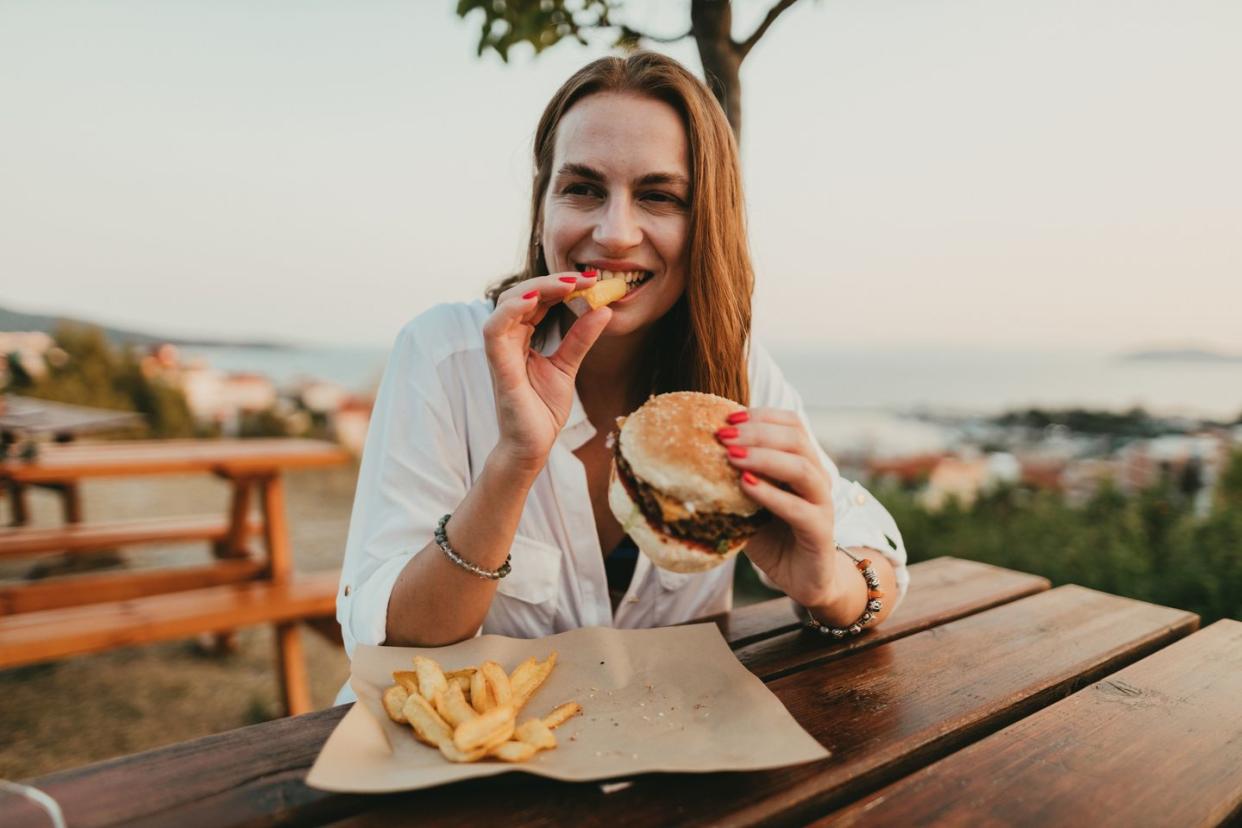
(874, 602)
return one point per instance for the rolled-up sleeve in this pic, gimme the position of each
(861, 520)
(415, 468)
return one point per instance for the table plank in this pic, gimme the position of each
(884, 712)
(954, 588)
(135, 457)
(1158, 743)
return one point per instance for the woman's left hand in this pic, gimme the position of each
(781, 471)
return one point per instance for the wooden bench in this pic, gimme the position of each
(22, 541)
(59, 617)
(59, 633)
(973, 650)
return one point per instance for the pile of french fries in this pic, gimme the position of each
(471, 714)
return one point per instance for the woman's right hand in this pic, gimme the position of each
(534, 393)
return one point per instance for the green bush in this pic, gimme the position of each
(1149, 546)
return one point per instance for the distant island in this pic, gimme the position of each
(1180, 355)
(11, 320)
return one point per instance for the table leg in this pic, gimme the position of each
(293, 679)
(20, 504)
(234, 546)
(276, 529)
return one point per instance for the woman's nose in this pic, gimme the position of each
(617, 228)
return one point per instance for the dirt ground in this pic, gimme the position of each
(85, 709)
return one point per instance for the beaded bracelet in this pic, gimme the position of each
(490, 574)
(874, 604)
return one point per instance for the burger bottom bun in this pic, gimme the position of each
(664, 550)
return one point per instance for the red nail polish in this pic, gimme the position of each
(737, 417)
(530, 295)
(750, 478)
(726, 433)
(590, 273)
(737, 451)
(569, 280)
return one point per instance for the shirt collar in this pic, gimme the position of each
(577, 430)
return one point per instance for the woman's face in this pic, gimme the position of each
(618, 200)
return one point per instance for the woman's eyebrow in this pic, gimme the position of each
(591, 174)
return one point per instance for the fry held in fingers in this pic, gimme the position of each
(472, 713)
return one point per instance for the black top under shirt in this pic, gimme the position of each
(619, 568)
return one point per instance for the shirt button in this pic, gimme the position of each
(347, 590)
(860, 499)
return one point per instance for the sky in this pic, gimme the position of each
(964, 173)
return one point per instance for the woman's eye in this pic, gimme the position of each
(662, 198)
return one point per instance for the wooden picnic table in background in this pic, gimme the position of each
(52, 619)
(987, 699)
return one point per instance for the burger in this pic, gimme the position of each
(672, 488)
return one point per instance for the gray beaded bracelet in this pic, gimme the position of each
(442, 542)
(874, 604)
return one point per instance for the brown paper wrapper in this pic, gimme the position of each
(671, 699)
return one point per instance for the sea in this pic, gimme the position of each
(886, 399)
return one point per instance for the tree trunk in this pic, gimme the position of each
(711, 22)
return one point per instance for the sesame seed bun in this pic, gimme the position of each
(670, 444)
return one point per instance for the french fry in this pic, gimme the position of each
(497, 682)
(454, 754)
(523, 673)
(480, 697)
(407, 679)
(431, 678)
(465, 672)
(492, 728)
(532, 683)
(514, 751)
(536, 734)
(562, 714)
(427, 724)
(464, 683)
(452, 706)
(394, 699)
(596, 296)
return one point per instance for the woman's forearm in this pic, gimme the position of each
(851, 592)
(434, 601)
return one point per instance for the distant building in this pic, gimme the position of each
(221, 398)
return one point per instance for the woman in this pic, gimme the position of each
(496, 412)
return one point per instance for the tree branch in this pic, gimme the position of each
(627, 32)
(749, 43)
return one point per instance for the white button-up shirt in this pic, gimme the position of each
(434, 425)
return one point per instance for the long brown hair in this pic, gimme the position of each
(700, 344)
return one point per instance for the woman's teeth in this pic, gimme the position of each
(632, 278)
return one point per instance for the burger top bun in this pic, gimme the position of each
(670, 443)
(665, 551)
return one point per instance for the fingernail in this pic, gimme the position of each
(590, 273)
(569, 280)
(726, 433)
(530, 294)
(737, 451)
(749, 478)
(737, 417)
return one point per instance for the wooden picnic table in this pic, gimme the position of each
(57, 618)
(986, 699)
